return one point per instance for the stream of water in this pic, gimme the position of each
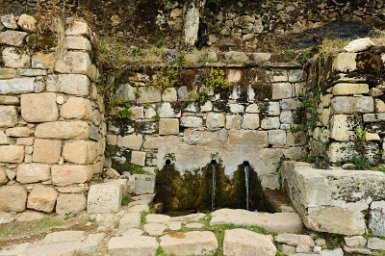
(214, 185)
(247, 173)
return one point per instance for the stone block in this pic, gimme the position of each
(170, 95)
(17, 86)
(39, 107)
(12, 38)
(64, 175)
(233, 122)
(137, 113)
(355, 241)
(343, 105)
(253, 108)
(11, 154)
(104, 198)
(282, 91)
(129, 220)
(32, 173)
(359, 45)
(3, 176)
(286, 117)
(296, 139)
(376, 243)
(63, 130)
(244, 242)
(27, 23)
(138, 158)
(342, 89)
(202, 138)
(91, 244)
(76, 63)
(76, 108)
(144, 184)
(71, 203)
(269, 123)
(149, 95)
(8, 116)
(215, 120)
(4, 140)
(19, 132)
(169, 126)
(78, 28)
(44, 61)
(140, 245)
(80, 151)
(273, 108)
(190, 243)
(167, 110)
(341, 127)
(236, 108)
(365, 104)
(47, 151)
(13, 198)
(250, 121)
(42, 198)
(77, 43)
(253, 138)
(341, 151)
(377, 218)
(9, 21)
(345, 62)
(7, 73)
(13, 58)
(133, 141)
(277, 137)
(191, 121)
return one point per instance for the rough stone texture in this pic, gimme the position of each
(130, 246)
(247, 243)
(338, 208)
(91, 244)
(7, 73)
(350, 89)
(104, 198)
(129, 220)
(295, 240)
(71, 203)
(359, 45)
(8, 116)
(341, 127)
(250, 121)
(76, 63)
(168, 126)
(47, 151)
(44, 61)
(32, 173)
(154, 229)
(11, 154)
(42, 198)
(77, 43)
(138, 158)
(76, 108)
(377, 218)
(282, 91)
(189, 243)
(277, 137)
(63, 175)
(19, 132)
(345, 62)
(3, 176)
(215, 120)
(276, 222)
(27, 23)
(376, 244)
(59, 83)
(14, 59)
(13, 198)
(13, 38)
(17, 86)
(63, 130)
(130, 141)
(80, 151)
(149, 95)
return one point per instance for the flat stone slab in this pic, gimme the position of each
(104, 198)
(242, 242)
(132, 246)
(57, 249)
(157, 218)
(154, 229)
(129, 220)
(64, 237)
(190, 218)
(189, 243)
(285, 222)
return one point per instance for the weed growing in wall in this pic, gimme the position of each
(166, 77)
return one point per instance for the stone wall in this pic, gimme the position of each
(51, 117)
(350, 91)
(192, 124)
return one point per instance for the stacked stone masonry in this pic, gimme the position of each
(51, 118)
(250, 122)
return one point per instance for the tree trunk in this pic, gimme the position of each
(192, 12)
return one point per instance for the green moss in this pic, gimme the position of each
(125, 200)
(361, 163)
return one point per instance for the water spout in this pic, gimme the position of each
(246, 169)
(213, 183)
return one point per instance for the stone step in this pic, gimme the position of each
(285, 222)
(189, 243)
(132, 246)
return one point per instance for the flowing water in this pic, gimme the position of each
(247, 173)
(213, 185)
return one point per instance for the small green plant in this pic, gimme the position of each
(47, 223)
(125, 200)
(6, 232)
(306, 55)
(201, 96)
(310, 159)
(311, 107)
(280, 254)
(136, 50)
(361, 163)
(361, 134)
(217, 80)
(294, 129)
(125, 113)
(103, 49)
(379, 169)
(156, 118)
(166, 77)
(329, 45)
(135, 169)
(117, 102)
